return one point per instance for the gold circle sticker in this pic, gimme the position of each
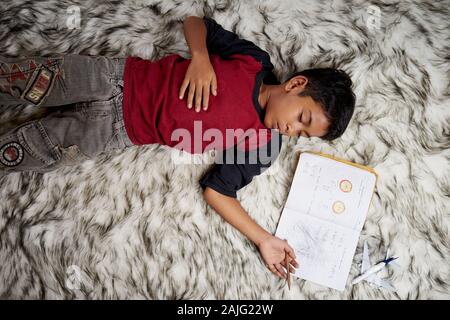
(345, 185)
(338, 207)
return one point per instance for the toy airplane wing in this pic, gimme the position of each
(366, 259)
(373, 279)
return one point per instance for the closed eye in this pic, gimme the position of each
(310, 119)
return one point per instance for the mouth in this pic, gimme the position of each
(277, 127)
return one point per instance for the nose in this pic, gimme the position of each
(290, 129)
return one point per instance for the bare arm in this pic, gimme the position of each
(273, 250)
(200, 76)
(231, 210)
(195, 35)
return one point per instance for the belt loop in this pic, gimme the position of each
(117, 110)
(119, 65)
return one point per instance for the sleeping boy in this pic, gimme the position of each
(227, 92)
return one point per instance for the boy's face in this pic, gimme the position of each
(292, 114)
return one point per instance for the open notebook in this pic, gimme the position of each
(324, 214)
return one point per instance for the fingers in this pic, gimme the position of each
(183, 88)
(214, 86)
(291, 265)
(274, 269)
(293, 262)
(291, 268)
(191, 95)
(205, 97)
(291, 254)
(280, 270)
(198, 97)
(198, 94)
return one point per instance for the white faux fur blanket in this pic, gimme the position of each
(133, 224)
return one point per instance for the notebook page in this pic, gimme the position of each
(323, 250)
(331, 190)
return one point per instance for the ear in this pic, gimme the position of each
(297, 83)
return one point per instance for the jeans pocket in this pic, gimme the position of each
(71, 155)
(27, 148)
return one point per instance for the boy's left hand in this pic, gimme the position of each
(273, 250)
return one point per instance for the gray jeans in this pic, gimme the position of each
(86, 93)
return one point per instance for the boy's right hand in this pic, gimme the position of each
(201, 80)
(273, 250)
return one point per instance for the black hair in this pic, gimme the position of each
(332, 89)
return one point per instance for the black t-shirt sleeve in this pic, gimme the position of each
(226, 43)
(230, 176)
(227, 179)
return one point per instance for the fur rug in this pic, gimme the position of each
(133, 224)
